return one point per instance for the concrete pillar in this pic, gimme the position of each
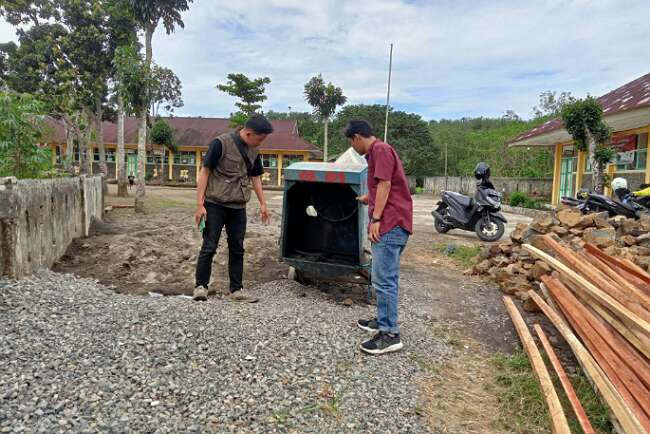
(557, 166)
(611, 171)
(647, 160)
(198, 165)
(580, 169)
(280, 162)
(170, 163)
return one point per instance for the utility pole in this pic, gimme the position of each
(446, 167)
(390, 70)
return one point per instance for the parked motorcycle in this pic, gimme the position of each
(626, 204)
(480, 214)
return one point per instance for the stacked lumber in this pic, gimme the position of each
(516, 271)
(601, 306)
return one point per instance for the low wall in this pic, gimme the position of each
(467, 185)
(39, 219)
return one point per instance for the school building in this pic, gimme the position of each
(627, 112)
(192, 136)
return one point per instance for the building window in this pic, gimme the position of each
(632, 153)
(110, 156)
(269, 161)
(185, 158)
(290, 159)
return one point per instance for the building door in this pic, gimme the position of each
(132, 165)
(566, 176)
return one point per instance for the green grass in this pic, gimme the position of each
(461, 255)
(522, 406)
(169, 203)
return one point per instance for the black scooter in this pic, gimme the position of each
(589, 203)
(480, 214)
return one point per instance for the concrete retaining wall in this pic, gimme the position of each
(467, 185)
(39, 219)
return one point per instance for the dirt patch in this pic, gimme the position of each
(462, 401)
(158, 251)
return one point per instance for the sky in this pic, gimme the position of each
(451, 59)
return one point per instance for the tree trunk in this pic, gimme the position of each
(69, 149)
(99, 125)
(121, 169)
(326, 121)
(142, 161)
(89, 148)
(596, 168)
(142, 129)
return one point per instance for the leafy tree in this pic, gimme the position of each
(250, 92)
(122, 30)
(583, 119)
(551, 104)
(163, 136)
(63, 54)
(324, 98)
(470, 140)
(409, 135)
(21, 129)
(148, 14)
(165, 90)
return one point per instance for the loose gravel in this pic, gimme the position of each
(77, 357)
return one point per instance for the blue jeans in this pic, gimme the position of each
(385, 276)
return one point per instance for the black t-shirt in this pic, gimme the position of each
(211, 159)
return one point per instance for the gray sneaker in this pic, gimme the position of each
(242, 296)
(200, 293)
(382, 343)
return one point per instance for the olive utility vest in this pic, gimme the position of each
(229, 184)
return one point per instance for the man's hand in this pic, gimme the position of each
(363, 199)
(264, 215)
(373, 232)
(200, 212)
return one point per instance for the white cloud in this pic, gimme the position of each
(452, 58)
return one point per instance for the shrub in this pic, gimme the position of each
(518, 199)
(532, 203)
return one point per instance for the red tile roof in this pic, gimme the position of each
(633, 95)
(199, 131)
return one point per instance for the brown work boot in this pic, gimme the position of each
(200, 293)
(242, 296)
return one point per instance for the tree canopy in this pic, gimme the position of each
(251, 92)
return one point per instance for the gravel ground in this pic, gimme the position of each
(78, 357)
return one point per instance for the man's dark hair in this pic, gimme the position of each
(259, 124)
(359, 127)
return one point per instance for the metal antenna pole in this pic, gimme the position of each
(390, 70)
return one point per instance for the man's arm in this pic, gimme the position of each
(383, 191)
(259, 192)
(201, 186)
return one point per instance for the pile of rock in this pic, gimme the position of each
(516, 271)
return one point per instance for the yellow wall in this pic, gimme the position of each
(557, 165)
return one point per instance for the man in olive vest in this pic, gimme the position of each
(230, 168)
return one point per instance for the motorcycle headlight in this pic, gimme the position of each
(494, 199)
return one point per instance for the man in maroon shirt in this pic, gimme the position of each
(390, 208)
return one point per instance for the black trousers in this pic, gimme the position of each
(234, 219)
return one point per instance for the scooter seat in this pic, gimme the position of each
(460, 199)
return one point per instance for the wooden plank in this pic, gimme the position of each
(601, 296)
(558, 419)
(595, 276)
(605, 350)
(629, 290)
(566, 383)
(625, 417)
(632, 269)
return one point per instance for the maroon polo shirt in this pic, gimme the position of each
(384, 165)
